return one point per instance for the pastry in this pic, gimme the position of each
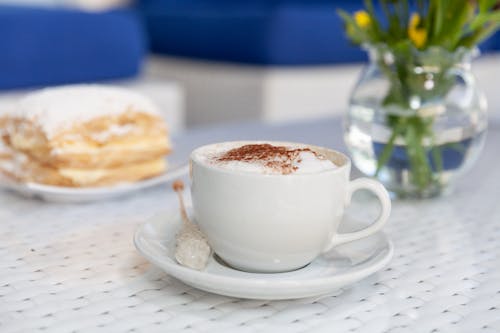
(85, 135)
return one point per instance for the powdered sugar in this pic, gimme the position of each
(55, 109)
(113, 130)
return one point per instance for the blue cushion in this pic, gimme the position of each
(266, 32)
(56, 46)
(256, 32)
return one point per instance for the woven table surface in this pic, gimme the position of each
(74, 268)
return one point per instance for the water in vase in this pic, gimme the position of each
(458, 136)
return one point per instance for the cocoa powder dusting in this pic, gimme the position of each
(277, 158)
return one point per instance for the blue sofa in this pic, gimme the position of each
(55, 46)
(263, 32)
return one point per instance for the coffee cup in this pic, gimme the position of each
(264, 222)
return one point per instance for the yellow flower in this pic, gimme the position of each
(417, 35)
(362, 19)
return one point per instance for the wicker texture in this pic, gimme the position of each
(73, 268)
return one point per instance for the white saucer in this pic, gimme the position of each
(74, 195)
(348, 263)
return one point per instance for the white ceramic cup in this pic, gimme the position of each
(274, 223)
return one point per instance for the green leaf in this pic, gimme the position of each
(395, 27)
(353, 31)
(478, 35)
(378, 33)
(486, 5)
(403, 15)
(482, 19)
(456, 14)
(456, 30)
(438, 18)
(429, 21)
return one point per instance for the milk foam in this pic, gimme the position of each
(305, 162)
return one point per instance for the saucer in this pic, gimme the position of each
(345, 265)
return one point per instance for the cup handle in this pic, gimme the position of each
(385, 201)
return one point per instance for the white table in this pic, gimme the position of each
(66, 268)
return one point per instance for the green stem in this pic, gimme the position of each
(419, 164)
(389, 147)
(437, 157)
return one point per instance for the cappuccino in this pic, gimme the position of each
(275, 206)
(265, 158)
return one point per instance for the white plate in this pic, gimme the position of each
(348, 263)
(74, 195)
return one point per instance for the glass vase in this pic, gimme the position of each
(416, 120)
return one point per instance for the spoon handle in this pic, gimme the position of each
(178, 187)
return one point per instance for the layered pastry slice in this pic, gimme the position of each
(84, 135)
